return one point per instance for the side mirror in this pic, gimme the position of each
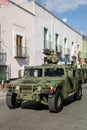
(8, 81)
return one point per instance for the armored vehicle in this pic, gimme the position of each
(47, 84)
(83, 71)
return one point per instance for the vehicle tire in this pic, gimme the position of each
(78, 95)
(55, 102)
(11, 100)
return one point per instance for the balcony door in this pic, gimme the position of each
(19, 46)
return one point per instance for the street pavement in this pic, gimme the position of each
(37, 117)
(2, 93)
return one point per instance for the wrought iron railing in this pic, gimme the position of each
(67, 51)
(59, 48)
(3, 55)
(20, 51)
(47, 44)
(85, 55)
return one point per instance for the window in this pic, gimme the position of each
(65, 42)
(74, 73)
(72, 46)
(65, 45)
(73, 52)
(35, 72)
(19, 46)
(45, 37)
(19, 40)
(54, 72)
(3, 72)
(3, 57)
(56, 41)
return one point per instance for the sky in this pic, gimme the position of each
(73, 12)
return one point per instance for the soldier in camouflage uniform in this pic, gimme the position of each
(52, 58)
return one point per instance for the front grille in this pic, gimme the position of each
(26, 88)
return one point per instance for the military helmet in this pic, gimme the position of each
(51, 51)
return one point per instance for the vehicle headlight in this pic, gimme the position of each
(17, 87)
(39, 88)
(8, 85)
(49, 85)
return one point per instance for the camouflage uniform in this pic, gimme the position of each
(52, 58)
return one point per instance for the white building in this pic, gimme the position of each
(27, 28)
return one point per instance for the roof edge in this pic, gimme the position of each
(21, 7)
(57, 18)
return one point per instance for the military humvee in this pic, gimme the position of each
(48, 84)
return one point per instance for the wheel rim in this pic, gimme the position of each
(59, 101)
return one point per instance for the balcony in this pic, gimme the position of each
(3, 56)
(67, 51)
(47, 44)
(59, 48)
(20, 52)
(85, 54)
(73, 53)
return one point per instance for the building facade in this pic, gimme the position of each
(54, 33)
(84, 48)
(27, 29)
(17, 34)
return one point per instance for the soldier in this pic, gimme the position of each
(52, 58)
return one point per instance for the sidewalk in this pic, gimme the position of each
(2, 93)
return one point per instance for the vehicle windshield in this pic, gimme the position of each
(54, 72)
(35, 72)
